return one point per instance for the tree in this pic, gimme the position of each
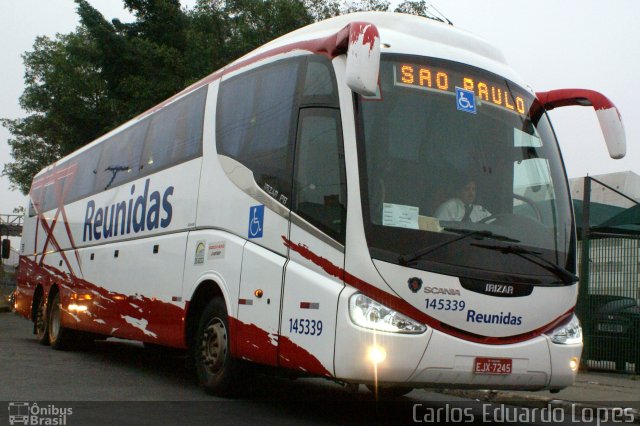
(81, 85)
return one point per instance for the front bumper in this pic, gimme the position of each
(436, 359)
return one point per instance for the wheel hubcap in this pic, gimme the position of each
(213, 346)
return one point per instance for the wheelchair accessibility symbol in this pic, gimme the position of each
(256, 221)
(465, 100)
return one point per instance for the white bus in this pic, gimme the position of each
(301, 208)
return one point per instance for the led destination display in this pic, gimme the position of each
(487, 89)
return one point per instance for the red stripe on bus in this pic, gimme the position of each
(411, 311)
(109, 313)
(250, 342)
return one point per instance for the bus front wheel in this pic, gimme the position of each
(215, 367)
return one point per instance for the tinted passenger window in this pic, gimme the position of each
(175, 133)
(319, 84)
(86, 171)
(120, 157)
(320, 188)
(254, 125)
(166, 138)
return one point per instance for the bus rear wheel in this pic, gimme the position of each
(215, 367)
(40, 323)
(59, 337)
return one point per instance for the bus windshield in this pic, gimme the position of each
(460, 176)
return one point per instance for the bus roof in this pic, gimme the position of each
(402, 33)
(399, 33)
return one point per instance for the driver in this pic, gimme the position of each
(462, 208)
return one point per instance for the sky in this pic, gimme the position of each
(552, 44)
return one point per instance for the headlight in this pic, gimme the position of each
(366, 312)
(569, 333)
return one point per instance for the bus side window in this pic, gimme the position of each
(320, 188)
(319, 85)
(175, 133)
(255, 122)
(120, 157)
(86, 174)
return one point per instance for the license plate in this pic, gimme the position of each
(611, 328)
(492, 366)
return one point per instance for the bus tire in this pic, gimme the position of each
(60, 338)
(40, 322)
(215, 367)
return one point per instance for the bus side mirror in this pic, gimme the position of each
(6, 248)
(361, 41)
(608, 114)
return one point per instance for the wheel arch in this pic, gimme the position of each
(38, 294)
(206, 290)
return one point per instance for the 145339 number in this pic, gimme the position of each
(305, 326)
(445, 304)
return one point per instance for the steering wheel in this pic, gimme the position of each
(493, 217)
(531, 203)
(526, 200)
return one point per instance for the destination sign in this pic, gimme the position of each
(492, 91)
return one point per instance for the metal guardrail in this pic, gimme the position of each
(10, 225)
(11, 219)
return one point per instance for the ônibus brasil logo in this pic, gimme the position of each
(26, 413)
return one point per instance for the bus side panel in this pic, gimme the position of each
(161, 202)
(224, 205)
(219, 264)
(27, 241)
(26, 282)
(259, 305)
(30, 276)
(310, 299)
(128, 290)
(308, 328)
(133, 290)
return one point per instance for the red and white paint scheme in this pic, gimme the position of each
(376, 199)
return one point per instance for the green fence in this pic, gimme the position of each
(608, 263)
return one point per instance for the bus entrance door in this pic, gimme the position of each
(313, 276)
(259, 304)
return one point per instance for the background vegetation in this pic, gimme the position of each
(79, 86)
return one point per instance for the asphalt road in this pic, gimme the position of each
(120, 382)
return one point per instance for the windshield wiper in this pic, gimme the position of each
(405, 259)
(566, 276)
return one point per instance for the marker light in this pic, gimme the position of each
(376, 354)
(77, 308)
(366, 312)
(574, 363)
(570, 333)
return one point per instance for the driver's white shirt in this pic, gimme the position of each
(454, 209)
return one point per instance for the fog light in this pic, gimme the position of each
(377, 354)
(574, 363)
